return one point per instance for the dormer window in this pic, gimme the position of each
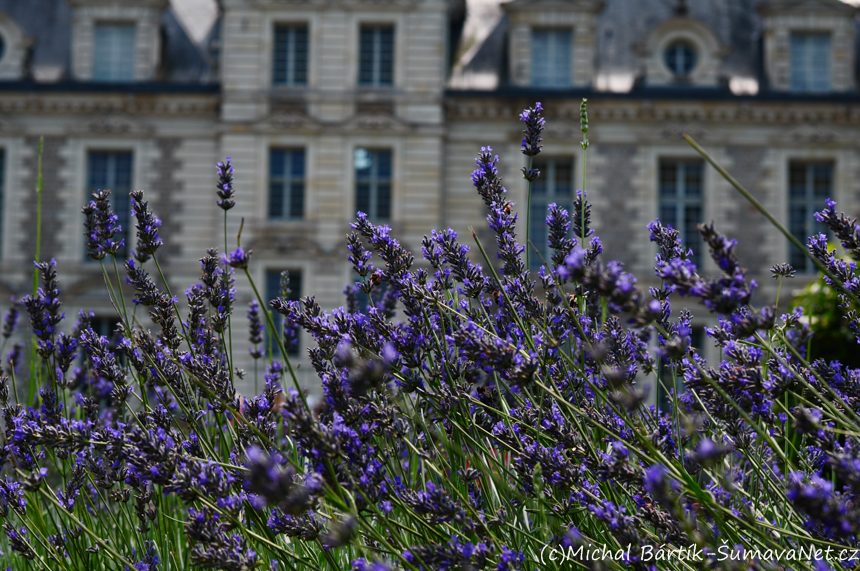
(114, 52)
(551, 58)
(810, 62)
(680, 58)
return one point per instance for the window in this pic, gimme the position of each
(112, 171)
(376, 56)
(290, 61)
(2, 48)
(809, 185)
(274, 288)
(551, 58)
(680, 58)
(373, 183)
(810, 62)
(286, 183)
(113, 55)
(555, 184)
(681, 197)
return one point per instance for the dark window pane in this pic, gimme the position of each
(681, 195)
(276, 200)
(668, 179)
(668, 215)
(693, 179)
(809, 185)
(564, 179)
(376, 56)
(821, 181)
(362, 198)
(113, 171)
(297, 200)
(290, 59)
(273, 290)
(366, 56)
(286, 183)
(383, 160)
(383, 204)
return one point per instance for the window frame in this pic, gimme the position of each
(811, 203)
(681, 201)
(373, 191)
(376, 80)
(127, 227)
(810, 65)
(289, 79)
(286, 181)
(111, 77)
(277, 318)
(677, 44)
(552, 82)
(540, 204)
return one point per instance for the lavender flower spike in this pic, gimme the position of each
(534, 127)
(238, 258)
(225, 185)
(147, 227)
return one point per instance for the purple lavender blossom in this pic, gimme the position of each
(238, 258)
(225, 185)
(147, 225)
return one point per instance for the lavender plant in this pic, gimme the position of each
(475, 415)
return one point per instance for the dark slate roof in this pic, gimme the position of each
(49, 24)
(624, 25)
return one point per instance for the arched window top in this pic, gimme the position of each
(680, 57)
(682, 50)
(13, 48)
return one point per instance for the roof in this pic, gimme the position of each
(48, 23)
(622, 27)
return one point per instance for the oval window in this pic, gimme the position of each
(680, 58)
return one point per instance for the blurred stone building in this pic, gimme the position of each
(332, 106)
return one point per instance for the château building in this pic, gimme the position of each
(332, 106)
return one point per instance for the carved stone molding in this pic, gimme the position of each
(342, 4)
(196, 106)
(812, 135)
(289, 122)
(376, 122)
(112, 125)
(721, 112)
(674, 131)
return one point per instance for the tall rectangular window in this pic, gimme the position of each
(373, 183)
(290, 335)
(554, 185)
(551, 58)
(810, 62)
(681, 201)
(376, 56)
(287, 183)
(114, 52)
(809, 185)
(290, 61)
(112, 170)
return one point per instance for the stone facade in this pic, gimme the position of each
(226, 103)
